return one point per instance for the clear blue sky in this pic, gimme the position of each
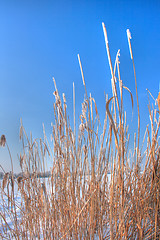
(41, 39)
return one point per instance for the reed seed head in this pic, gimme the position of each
(129, 42)
(3, 141)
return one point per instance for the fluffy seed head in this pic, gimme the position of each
(3, 141)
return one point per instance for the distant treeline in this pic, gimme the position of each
(23, 175)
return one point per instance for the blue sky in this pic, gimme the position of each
(41, 39)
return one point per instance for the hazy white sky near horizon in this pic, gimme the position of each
(41, 39)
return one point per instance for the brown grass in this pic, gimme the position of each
(78, 201)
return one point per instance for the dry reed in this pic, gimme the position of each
(78, 200)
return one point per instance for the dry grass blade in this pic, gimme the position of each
(130, 95)
(112, 122)
(158, 100)
(130, 48)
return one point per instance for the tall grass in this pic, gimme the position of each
(96, 190)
